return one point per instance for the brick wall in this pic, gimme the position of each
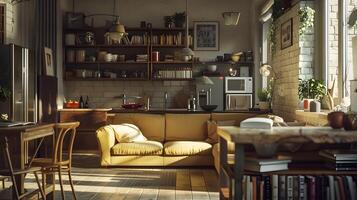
(102, 93)
(286, 65)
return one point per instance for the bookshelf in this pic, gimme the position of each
(233, 177)
(140, 41)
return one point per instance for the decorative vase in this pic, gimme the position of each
(350, 122)
(335, 119)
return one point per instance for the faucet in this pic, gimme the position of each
(166, 96)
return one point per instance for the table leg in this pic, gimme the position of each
(239, 171)
(222, 161)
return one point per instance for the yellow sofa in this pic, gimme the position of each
(173, 140)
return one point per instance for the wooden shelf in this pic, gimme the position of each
(96, 46)
(104, 79)
(172, 62)
(109, 63)
(172, 79)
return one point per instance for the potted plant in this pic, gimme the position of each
(169, 21)
(4, 93)
(264, 97)
(179, 19)
(310, 90)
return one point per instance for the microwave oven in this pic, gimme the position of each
(238, 101)
(238, 85)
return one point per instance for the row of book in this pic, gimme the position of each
(171, 39)
(285, 187)
(181, 73)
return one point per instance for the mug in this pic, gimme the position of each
(108, 57)
(114, 57)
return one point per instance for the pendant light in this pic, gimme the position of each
(187, 51)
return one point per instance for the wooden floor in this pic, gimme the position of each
(94, 183)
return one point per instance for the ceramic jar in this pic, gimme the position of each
(350, 122)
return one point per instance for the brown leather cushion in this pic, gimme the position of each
(188, 127)
(185, 148)
(151, 125)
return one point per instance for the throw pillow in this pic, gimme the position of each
(128, 133)
(212, 136)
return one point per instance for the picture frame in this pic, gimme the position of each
(206, 36)
(49, 67)
(287, 34)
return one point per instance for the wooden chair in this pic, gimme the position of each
(12, 173)
(60, 163)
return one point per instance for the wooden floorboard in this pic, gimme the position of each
(95, 183)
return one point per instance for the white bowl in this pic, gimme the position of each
(212, 68)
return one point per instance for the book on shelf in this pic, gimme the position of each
(14, 123)
(267, 165)
(339, 155)
(276, 187)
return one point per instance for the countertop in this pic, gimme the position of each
(85, 110)
(155, 111)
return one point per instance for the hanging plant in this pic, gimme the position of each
(307, 16)
(272, 36)
(4, 93)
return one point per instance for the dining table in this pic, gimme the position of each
(19, 138)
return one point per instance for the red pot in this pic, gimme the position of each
(335, 119)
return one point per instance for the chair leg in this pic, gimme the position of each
(14, 187)
(71, 183)
(60, 181)
(43, 195)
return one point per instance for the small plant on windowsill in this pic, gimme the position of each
(311, 89)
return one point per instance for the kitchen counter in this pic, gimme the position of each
(178, 110)
(85, 110)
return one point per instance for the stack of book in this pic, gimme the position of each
(284, 187)
(267, 165)
(180, 73)
(340, 160)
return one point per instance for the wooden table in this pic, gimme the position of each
(19, 138)
(274, 136)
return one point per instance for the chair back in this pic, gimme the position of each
(64, 130)
(5, 149)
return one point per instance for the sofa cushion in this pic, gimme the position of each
(182, 127)
(151, 125)
(127, 133)
(182, 148)
(138, 148)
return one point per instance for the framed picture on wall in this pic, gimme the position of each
(206, 36)
(49, 67)
(287, 34)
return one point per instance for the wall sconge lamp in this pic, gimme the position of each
(231, 18)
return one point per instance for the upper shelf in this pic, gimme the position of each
(128, 29)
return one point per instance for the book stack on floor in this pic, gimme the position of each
(340, 160)
(266, 165)
(282, 187)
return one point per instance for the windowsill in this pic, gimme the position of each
(312, 118)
